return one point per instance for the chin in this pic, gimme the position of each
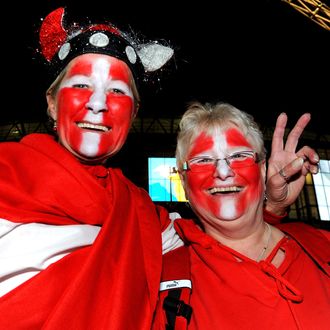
(89, 158)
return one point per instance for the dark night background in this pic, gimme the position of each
(262, 56)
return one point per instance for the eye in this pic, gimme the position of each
(117, 91)
(82, 86)
(241, 156)
(118, 87)
(202, 161)
(77, 81)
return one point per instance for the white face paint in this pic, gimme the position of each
(219, 145)
(90, 144)
(95, 106)
(228, 209)
(222, 175)
(221, 193)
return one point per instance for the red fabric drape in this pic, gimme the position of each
(112, 284)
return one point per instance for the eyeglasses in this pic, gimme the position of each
(235, 160)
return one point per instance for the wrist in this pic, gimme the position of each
(275, 210)
(272, 218)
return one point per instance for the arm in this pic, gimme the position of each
(287, 168)
(170, 238)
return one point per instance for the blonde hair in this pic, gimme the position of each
(207, 117)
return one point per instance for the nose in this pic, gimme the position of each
(222, 170)
(97, 102)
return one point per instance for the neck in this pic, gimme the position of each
(253, 244)
(266, 243)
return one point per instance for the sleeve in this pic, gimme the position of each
(170, 238)
(325, 233)
(272, 218)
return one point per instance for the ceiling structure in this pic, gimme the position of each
(316, 10)
(262, 56)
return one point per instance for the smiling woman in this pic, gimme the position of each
(93, 106)
(225, 150)
(235, 262)
(63, 214)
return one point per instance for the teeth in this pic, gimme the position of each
(225, 189)
(93, 126)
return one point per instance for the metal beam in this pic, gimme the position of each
(317, 11)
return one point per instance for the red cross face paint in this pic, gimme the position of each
(95, 106)
(220, 192)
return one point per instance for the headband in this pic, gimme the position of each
(59, 45)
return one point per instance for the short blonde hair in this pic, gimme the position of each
(207, 117)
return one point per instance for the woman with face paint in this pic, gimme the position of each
(80, 245)
(244, 272)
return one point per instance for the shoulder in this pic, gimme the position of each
(314, 241)
(300, 228)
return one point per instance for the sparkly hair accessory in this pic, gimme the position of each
(59, 45)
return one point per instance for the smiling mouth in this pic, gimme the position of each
(94, 127)
(225, 190)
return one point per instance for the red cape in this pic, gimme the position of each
(112, 284)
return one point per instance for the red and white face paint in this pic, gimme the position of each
(95, 106)
(223, 193)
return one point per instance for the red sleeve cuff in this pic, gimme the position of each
(272, 218)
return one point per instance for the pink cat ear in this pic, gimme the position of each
(52, 34)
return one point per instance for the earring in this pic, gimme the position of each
(55, 126)
(265, 197)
